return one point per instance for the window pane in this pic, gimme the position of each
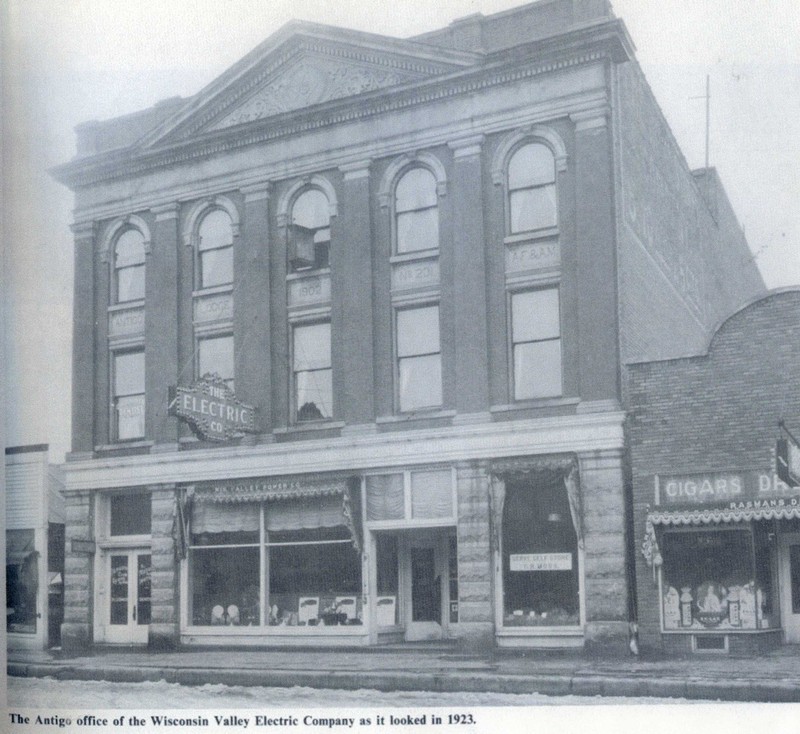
(418, 230)
(130, 249)
(314, 585)
(703, 572)
(215, 356)
(533, 209)
(130, 417)
(537, 369)
(385, 499)
(531, 165)
(311, 210)
(431, 494)
(540, 554)
(418, 331)
(21, 581)
(420, 382)
(225, 524)
(143, 590)
(224, 586)
(119, 590)
(130, 283)
(535, 315)
(314, 394)
(416, 190)
(128, 373)
(130, 514)
(312, 346)
(215, 230)
(387, 572)
(216, 267)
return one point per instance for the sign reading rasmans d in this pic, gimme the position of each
(211, 409)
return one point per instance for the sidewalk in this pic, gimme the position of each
(773, 677)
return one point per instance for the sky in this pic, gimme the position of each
(68, 61)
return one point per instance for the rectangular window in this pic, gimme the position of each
(419, 359)
(313, 377)
(129, 514)
(536, 344)
(540, 554)
(710, 581)
(426, 494)
(128, 384)
(215, 356)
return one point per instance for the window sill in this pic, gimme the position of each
(534, 403)
(534, 234)
(310, 426)
(213, 290)
(414, 256)
(124, 445)
(126, 305)
(565, 631)
(416, 416)
(311, 272)
(348, 630)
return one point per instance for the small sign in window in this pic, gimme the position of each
(540, 561)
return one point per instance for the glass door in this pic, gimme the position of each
(790, 587)
(129, 597)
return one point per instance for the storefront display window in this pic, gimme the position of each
(387, 566)
(412, 495)
(716, 580)
(540, 553)
(22, 581)
(311, 572)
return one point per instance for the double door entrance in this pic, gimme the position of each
(127, 607)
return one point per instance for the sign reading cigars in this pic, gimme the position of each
(211, 409)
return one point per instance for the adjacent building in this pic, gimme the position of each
(718, 529)
(34, 548)
(349, 332)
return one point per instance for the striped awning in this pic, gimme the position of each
(262, 490)
(711, 516)
(527, 464)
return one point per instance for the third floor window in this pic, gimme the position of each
(310, 236)
(416, 212)
(129, 267)
(215, 249)
(532, 189)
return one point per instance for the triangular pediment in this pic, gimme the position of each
(305, 65)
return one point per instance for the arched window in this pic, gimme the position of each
(215, 249)
(129, 267)
(416, 211)
(310, 231)
(532, 189)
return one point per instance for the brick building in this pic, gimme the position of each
(719, 534)
(421, 263)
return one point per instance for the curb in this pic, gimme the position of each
(784, 691)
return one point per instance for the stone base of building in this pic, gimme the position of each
(607, 639)
(475, 637)
(163, 637)
(732, 644)
(75, 638)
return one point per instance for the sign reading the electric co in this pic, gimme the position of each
(211, 409)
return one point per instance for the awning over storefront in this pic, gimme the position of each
(292, 504)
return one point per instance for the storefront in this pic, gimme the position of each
(34, 549)
(724, 548)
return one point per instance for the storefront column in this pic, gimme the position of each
(76, 630)
(164, 598)
(475, 608)
(605, 595)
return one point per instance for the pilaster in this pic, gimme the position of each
(164, 599)
(83, 343)
(76, 629)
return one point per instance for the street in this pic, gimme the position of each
(34, 693)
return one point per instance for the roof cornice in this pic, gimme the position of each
(608, 40)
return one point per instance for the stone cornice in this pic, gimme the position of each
(604, 42)
(597, 432)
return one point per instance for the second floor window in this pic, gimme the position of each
(313, 376)
(532, 189)
(129, 267)
(128, 399)
(215, 249)
(215, 356)
(416, 212)
(310, 232)
(536, 344)
(419, 359)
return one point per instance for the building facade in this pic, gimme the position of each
(34, 548)
(718, 530)
(411, 271)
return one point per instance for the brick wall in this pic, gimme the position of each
(683, 260)
(716, 411)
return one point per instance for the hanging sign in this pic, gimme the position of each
(211, 409)
(540, 561)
